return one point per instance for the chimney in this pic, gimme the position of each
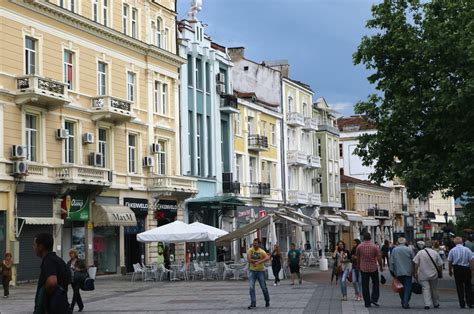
(281, 65)
(236, 53)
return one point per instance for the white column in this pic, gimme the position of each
(194, 115)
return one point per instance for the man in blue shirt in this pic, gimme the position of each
(460, 260)
(401, 265)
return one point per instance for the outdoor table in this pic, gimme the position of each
(236, 268)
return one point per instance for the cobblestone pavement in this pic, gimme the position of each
(117, 294)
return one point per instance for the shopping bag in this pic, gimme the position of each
(396, 285)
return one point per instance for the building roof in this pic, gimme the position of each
(354, 123)
(304, 85)
(251, 96)
(347, 179)
(218, 47)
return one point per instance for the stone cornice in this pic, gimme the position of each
(80, 22)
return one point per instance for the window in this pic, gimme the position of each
(305, 108)
(161, 164)
(103, 147)
(165, 39)
(125, 19)
(199, 143)
(252, 169)
(199, 74)
(250, 124)
(31, 137)
(263, 128)
(238, 168)
(132, 153)
(319, 147)
(158, 37)
(134, 23)
(290, 104)
(238, 124)
(156, 96)
(341, 150)
(343, 201)
(95, 10)
(208, 78)
(69, 142)
(273, 134)
(69, 69)
(101, 78)
(105, 12)
(190, 71)
(68, 4)
(164, 98)
(131, 86)
(30, 55)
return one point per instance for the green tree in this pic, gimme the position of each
(466, 221)
(421, 58)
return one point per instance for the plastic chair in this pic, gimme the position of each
(137, 270)
(227, 270)
(198, 271)
(164, 271)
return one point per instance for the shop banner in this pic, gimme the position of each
(76, 206)
(140, 208)
(166, 211)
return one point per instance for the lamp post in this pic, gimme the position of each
(446, 220)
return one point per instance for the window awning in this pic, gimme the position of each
(370, 222)
(217, 200)
(42, 220)
(352, 216)
(438, 220)
(336, 220)
(113, 215)
(242, 232)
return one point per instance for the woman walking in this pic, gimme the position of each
(6, 274)
(343, 266)
(276, 263)
(72, 265)
(356, 271)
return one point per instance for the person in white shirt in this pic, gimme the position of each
(427, 264)
(461, 259)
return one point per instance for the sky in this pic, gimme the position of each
(317, 37)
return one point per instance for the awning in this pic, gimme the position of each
(438, 220)
(370, 222)
(336, 220)
(247, 229)
(293, 220)
(309, 219)
(217, 200)
(113, 215)
(41, 220)
(352, 216)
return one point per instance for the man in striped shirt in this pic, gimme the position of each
(368, 254)
(461, 259)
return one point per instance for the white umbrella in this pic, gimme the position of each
(271, 237)
(176, 231)
(212, 232)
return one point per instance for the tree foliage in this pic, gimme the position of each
(421, 58)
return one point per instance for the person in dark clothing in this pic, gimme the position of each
(6, 274)
(276, 263)
(80, 275)
(167, 261)
(51, 292)
(385, 248)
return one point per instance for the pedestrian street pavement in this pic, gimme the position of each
(117, 294)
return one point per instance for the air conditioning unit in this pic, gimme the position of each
(96, 160)
(62, 134)
(148, 161)
(155, 148)
(220, 78)
(20, 168)
(88, 138)
(18, 151)
(220, 89)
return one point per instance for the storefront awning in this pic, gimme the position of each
(293, 220)
(113, 215)
(308, 219)
(41, 220)
(352, 216)
(336, 220)
(242, 232)
(438, 220)
(370, 222)
(223, 200)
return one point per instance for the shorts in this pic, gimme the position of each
(294, 269)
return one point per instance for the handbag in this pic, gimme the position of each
(416, 288)
(338, 269)
(440, 271)
(396, 285)
(349, 277)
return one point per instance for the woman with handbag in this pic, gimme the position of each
(343, 266)
(6, 274)
(428, 268)
(355, 271)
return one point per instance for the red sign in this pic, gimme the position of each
(426, 227)
(262, 213)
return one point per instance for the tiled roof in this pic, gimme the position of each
(347, 179)
(249, 95)
(354, 123)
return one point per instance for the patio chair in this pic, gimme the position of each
(148, 271)
(164, 271)
(183, 272)
(198, 271)
(137, 270)
(227, 270)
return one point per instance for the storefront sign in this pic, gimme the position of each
(138, 205)
(166, 211)
(122, 217)
(262, 213)
(76, 206)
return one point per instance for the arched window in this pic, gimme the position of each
(158, 36)
(290, 104)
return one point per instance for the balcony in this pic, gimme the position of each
(314, 162)
(298, 197)
(228, 104)
(294, 119)
(170, 185)
(228, 184)
(259, 189)
(314, 199)
(40, 91)
(378, 213)
(111, 109)
(258, 142)
(297, 158)
(82, 175)
(327, 126)
(310, 124)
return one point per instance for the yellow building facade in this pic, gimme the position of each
(89, 113)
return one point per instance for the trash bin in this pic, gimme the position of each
(323, 264)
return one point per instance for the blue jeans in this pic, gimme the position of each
(405, 294)
(343, 282)
(356, 280)
(260, 276)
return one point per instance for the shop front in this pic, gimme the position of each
(108, 218)
(166, 211)
(75, 212)
(134, 250)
